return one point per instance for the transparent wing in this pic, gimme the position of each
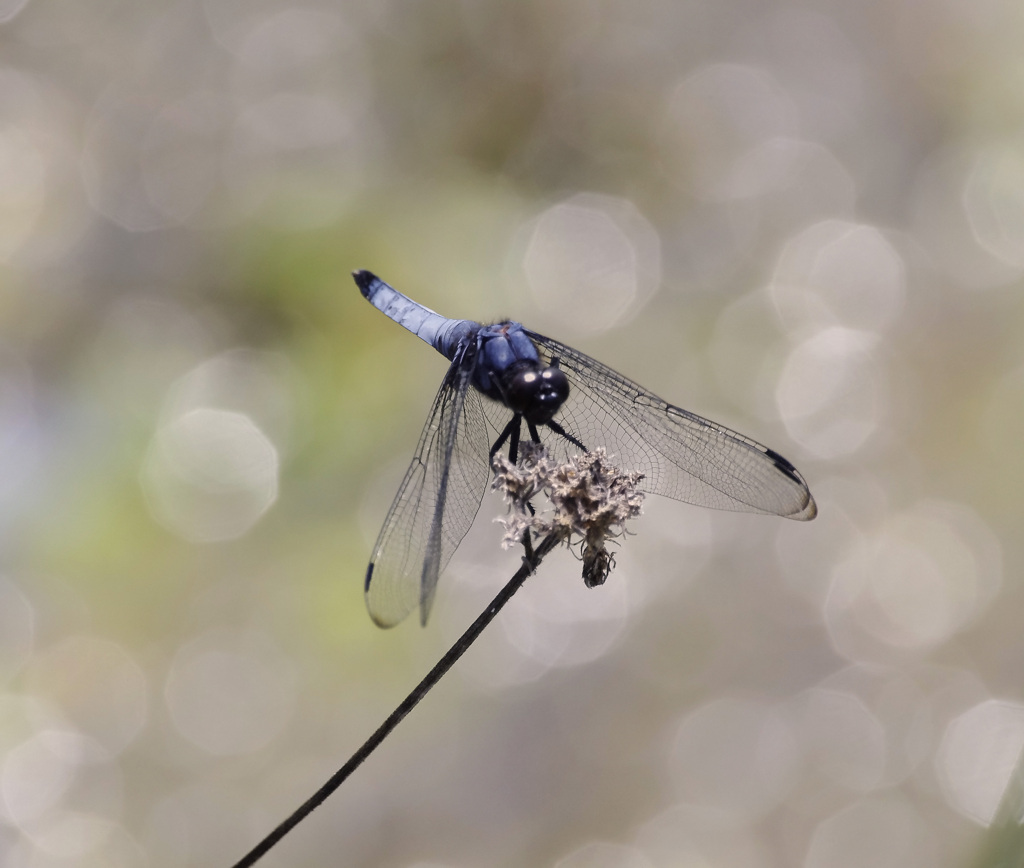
(682, 455)
(435, 505)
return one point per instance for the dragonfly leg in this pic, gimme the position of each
(561, 432)
(510, 433)
(513, 440)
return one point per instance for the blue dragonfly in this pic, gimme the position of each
(504, 378)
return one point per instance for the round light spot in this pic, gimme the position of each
(716, 117)
(111, 165)
(181, 155)
(229, 693)
(993, 199)
(592, 262)
(844, 740)
(924, 575)
(789, 173)
(959, 218)
(734, 755)
(10, 8)
(252, 382)
(98, 686)
(84, 839)
(210, 474)
(839, 273)
(831, 393)
(870, 726)
(691, 835)
(884, 832)
(37, 773)
(977, 758)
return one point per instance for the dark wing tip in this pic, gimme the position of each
(784, 465)
(374, 616)
(809, 509)
(364, 280)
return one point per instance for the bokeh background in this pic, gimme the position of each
(804, 220)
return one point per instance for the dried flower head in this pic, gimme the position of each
(590, 499)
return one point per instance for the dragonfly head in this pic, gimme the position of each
(536, 392)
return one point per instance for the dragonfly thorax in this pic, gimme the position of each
(508, 368)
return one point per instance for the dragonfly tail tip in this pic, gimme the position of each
(364, 280)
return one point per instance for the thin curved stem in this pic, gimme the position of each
(531, 561)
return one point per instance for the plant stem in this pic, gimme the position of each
(530, 563)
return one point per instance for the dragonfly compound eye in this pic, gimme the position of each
(538, 394)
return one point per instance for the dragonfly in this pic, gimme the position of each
(505, 383)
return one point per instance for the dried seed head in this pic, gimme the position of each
(590, 499)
